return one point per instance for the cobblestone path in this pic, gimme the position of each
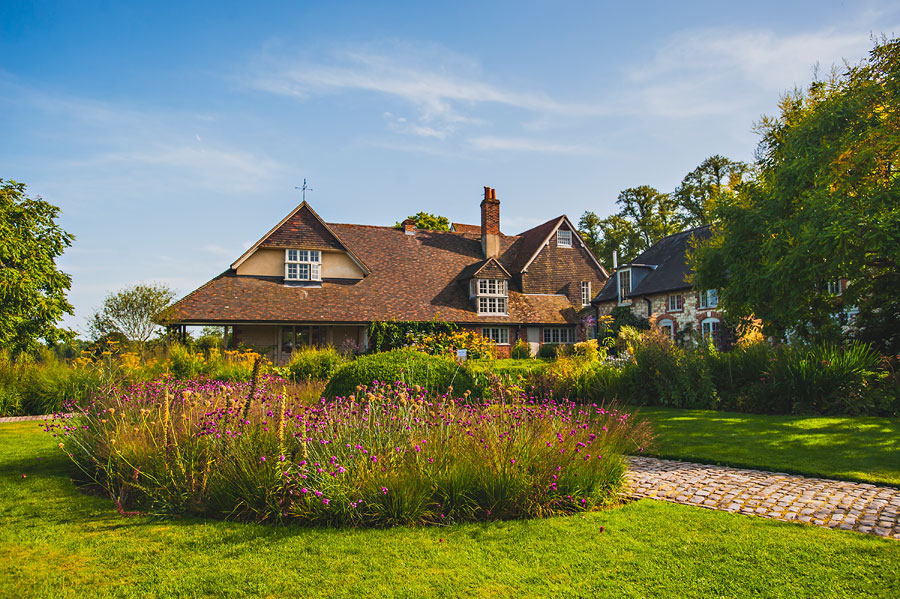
(835, 504)
(23, 418)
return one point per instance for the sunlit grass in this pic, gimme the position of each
(57, 542)
(850, 448)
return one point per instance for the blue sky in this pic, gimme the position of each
(172, 136)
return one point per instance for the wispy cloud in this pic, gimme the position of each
(718, 72)
(522, 144)
(447, 93)
(120, 141)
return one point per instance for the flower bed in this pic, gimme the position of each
(390, 454)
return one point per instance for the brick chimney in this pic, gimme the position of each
(409, 226)
(490, 223)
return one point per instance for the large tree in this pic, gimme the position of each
(702, 188)
(32, 289)
(825, 204)
(645, 216)
(134, 312)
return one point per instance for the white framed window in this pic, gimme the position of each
(710, 329)
(667, 327)
(491, 295)
(676, 303)
(709, 299)
(302, 265)
(492, 305)
(499, 335)
(834, 287)
(563, 238)
(624, 285)
(559, 335)
(585, 293)
(492, 287)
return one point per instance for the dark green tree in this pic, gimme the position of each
(32, 289)
(702, 188)
(824, 205)
(428, 221)
(645, 216)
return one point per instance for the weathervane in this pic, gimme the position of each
(304, 189)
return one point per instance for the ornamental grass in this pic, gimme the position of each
(388, 454)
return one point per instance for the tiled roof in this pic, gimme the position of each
(463, 228)
(669, 256)
(411, 277)
(301, 231)
(530, 242)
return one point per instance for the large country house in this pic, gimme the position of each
(308, 282)
(654, 286)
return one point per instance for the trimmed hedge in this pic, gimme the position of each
(435, 373)
(314, 363)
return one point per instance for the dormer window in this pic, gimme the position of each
(490, 295)
(302, 265)
(624, 286)
(563, 239)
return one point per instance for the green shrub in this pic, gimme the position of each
(394, 455)
(435, 373)
(42, 384)
(314, 363)
(185, 363)
(826, 379)
(548, 350)
(521, 350)
(739, 376)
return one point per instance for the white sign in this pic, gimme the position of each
(461, 355)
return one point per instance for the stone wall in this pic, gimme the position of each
(690, 316)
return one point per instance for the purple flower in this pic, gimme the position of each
(262, 458)
(384, 490)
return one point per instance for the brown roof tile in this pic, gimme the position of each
(411, 277)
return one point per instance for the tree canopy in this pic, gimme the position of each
(32, 289)
(824, 205)
(702, 188)
(645, 216)
(135, 312)
(428, 221)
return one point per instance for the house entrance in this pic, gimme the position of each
(297, 336)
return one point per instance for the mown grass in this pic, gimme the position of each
(863, 449)
(57, 542)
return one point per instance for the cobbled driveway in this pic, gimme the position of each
(835, 504)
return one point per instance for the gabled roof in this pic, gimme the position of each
(667, 261)
(301, 229)
(463, 228)
(486, 269)
(411, 279)
(532, 241)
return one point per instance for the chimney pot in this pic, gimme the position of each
(490, 223)
(409, 226)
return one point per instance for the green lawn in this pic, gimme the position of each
(862, 449)
(57, 542)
